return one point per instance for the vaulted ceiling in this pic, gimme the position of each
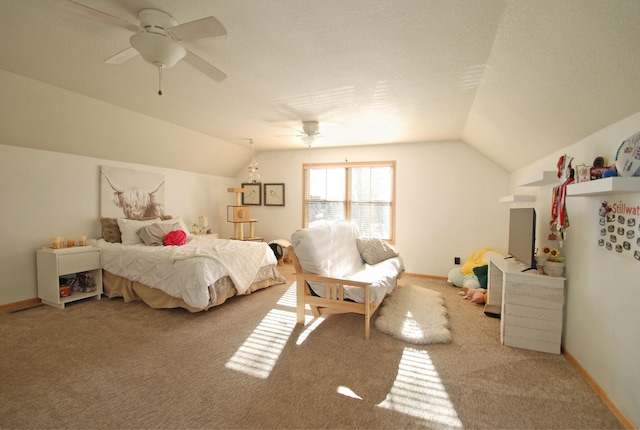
(515, 79)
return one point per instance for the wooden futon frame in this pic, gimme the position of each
(334, 301)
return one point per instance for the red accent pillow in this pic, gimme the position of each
(175, 238)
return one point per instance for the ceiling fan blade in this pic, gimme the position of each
(206, 68)
(290, 135)
(83, 10)
(122, 56)
(198, 29)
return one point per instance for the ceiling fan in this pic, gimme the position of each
(158, 38)
(310, 132)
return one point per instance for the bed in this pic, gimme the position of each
(201, 274)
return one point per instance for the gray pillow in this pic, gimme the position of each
(374, 250)
(153, 235)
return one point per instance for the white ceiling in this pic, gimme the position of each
(516, 79)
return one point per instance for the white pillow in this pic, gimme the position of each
(129, 229)
(183, 225)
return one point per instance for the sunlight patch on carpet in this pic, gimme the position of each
(308, 328)
(415, 315)
(419, 392)
(346, 391)
(258, 355)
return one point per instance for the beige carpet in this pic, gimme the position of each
(106, 364)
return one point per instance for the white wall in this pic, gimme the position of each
(48, 194)
(602, 323)
(446, 198)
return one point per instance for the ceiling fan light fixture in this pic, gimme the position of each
(157, 49)
(309, 140)
(311, 130)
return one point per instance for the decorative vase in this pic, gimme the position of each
(553, 268)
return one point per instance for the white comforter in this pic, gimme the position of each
(187, 271)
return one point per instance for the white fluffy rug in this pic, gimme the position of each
(415, 315)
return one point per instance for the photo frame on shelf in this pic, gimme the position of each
(274, 194)
(253, 195)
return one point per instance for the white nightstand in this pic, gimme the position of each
(54, 263)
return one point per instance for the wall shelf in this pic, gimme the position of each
(539, 179)
(517, 198)
(598, 187)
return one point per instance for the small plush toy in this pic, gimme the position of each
(471, 282)
(456, 277)
(476, 295)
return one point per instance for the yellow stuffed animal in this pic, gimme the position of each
(476, 259)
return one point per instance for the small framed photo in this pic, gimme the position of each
(583, 173)
(274, 194)
(253, 195)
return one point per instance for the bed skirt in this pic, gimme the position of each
(223, 289)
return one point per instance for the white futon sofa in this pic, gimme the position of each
(339, 272)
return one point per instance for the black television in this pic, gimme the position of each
(522, 236)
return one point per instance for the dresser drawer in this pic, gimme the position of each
(556, 315)
(536, 296)
(533, 344)
(79, 262)
(553, 325)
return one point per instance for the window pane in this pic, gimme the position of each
(327, 184)
(318, 184)
(372, 220)
(371, 184)
(323, 212)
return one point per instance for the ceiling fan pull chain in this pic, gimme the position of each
(159, 79)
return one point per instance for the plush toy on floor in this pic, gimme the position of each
(476, 295)
(465, 276)
(472, 276)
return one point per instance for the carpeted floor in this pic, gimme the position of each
(246, 364)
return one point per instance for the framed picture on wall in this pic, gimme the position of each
(274, 194)
(121, 191)
(253, 195)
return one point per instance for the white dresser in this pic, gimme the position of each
(531, 304)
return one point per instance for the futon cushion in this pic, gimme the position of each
(328, 250)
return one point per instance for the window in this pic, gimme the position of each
(362, 193)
